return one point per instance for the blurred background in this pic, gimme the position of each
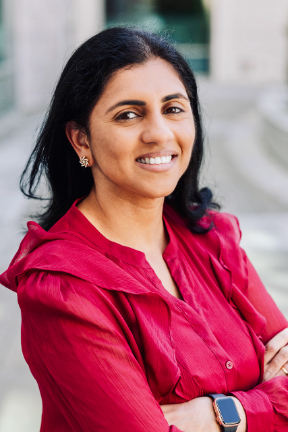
(239, 52)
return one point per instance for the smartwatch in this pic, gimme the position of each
(226, 412)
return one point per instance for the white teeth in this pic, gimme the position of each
(155, 161)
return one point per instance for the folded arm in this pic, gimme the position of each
(85, 366)
(264, 408)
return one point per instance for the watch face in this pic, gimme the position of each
(228, 411)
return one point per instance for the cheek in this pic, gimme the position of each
(187, 144)
(187, 137)
(111, 154)
(103, 143)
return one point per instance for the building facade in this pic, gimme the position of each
(249, 43)
(36, 38)
(243, 42)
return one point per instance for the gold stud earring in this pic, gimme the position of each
(84, 161)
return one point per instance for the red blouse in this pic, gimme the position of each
(107, 343)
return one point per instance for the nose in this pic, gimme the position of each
(156, 130)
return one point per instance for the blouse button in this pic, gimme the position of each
(229, 364)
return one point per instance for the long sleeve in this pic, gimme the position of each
(266, 405)
(87, 373)
(107, 344)
(263, 302)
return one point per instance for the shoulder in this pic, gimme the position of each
(224, 226)
(64, 298)
(49, 289)
(226, 222)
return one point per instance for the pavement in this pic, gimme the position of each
(246, 181)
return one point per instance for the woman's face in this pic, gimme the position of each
(142, 131)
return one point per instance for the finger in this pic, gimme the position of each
(280, 359)
(275, 344)
(284, 370)
(274, 367)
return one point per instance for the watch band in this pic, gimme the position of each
(230, 429)
(214, 396)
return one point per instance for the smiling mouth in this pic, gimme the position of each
(156, 160)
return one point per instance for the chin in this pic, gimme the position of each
(156, 193)
(153, 189)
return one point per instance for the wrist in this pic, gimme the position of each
(243, 424)
(229, 412)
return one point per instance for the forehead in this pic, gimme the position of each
(156, 77)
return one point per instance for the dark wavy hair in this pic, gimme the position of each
(79, 88)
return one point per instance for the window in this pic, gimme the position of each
(186, 20)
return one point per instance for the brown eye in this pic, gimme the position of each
(128, 115)
(173, 110)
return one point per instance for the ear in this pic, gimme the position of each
(79, 141)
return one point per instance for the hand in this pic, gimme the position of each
(198, 415)
(276, 356)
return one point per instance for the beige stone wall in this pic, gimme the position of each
(249, 41)
(45, 34)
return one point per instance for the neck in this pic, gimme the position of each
(131, 221)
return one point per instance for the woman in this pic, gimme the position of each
(137, 302)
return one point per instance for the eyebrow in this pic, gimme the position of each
(142, 103)
(174, 96)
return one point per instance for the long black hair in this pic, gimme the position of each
(78, 90)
